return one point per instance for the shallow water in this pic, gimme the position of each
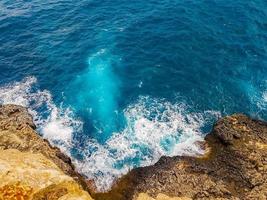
(117, 84)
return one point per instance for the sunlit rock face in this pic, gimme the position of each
(30, 168)
(27, 175)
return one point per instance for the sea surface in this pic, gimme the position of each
(116, 84)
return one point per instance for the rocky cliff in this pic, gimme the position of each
(234, 166)
(30, 168)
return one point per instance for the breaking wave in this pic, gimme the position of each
(54, 123)
(154, 128)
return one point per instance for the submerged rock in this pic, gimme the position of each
(30, 168)
(234, 167)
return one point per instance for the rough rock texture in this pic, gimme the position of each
(29, 166)
(33, 176)
(234, 167)
(144, 196)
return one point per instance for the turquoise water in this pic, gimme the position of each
(117, 84)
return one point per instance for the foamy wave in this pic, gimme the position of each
(59, 124)
(264, 97)
(261, 102)
(154, 128)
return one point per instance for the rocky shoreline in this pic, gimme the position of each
(234, 166)
(30, 168)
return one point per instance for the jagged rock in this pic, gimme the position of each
(29, 166)
(234, 167)
(144, 196)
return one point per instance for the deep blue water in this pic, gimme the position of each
(117, 84)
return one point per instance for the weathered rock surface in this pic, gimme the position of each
(144, 196)
(30, 168)
(234, 167)
(33, 176)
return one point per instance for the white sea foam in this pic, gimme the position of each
(59, 123)
(154, 127)
(264, 96)
(262, 102)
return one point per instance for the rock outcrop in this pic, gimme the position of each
(234, 167)
(144, 196)
(30, 168)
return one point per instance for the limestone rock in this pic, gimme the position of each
(17, 131)
(234, 167)
(30, 168)
(26, 175)
(144, 196)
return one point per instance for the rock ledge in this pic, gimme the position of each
(234, 167)
(30, 168)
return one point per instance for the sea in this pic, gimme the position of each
(116, 84)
